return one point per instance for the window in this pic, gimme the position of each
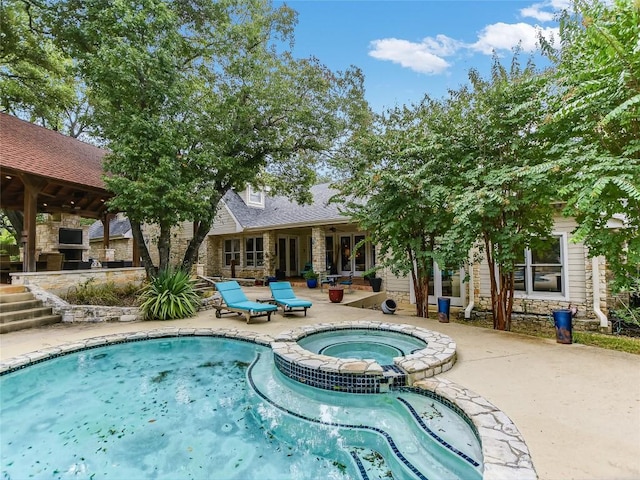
(254, 252)
(542, 269)
(255, 196)
(232, 251)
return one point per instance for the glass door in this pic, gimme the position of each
(288, 256)
(345, 255)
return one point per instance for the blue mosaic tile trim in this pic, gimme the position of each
(435, 436)
(363, 472)
(387, 437)
(448, 403)
(340, 382)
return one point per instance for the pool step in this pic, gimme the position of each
(19, 310)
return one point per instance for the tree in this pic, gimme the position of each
(197, 97)
(36, 76)
(596, 125)
(397, 190)
(502, 204)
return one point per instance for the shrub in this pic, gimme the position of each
(109, 294)
(169, 296)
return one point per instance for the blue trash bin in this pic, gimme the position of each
(444, 307)
(562, 322)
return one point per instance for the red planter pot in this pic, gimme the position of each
(336, 294)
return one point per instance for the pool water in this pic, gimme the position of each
(206, 407)
(379, 345)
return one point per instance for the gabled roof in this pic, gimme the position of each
(118, 227)
(40, 151)
(280, 212)
(67, 171)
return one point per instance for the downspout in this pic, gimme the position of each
(595, 280)
(471, 304)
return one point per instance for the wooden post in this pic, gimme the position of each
(30, 209)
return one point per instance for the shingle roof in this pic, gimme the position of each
(281, 212)
(118, 227)
(43, 152)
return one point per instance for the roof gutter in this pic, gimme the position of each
(595, 279)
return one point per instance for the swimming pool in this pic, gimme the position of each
(207, 407)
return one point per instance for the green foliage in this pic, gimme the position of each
(622, 344)
(396, 188)
(195, 98)
(310, 275)
(169, 296)
(501, 202)
(596, 128)
(36, 76)
(110, 294)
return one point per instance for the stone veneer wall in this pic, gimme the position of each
(47, 238)
(60, 282)
(214, 260)
(122, 247)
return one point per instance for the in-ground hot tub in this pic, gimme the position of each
(362, 356)
(380, 345)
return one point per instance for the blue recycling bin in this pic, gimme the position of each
(444, 307)
(562, 321)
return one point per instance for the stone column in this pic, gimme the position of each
(269, 246)
(318, 249)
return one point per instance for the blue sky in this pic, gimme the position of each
(407, 49)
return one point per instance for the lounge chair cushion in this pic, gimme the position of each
(234, 297)
(283, 294)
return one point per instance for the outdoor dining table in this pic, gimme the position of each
(333, 279)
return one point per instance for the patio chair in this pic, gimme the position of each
(284, 297)
(55, 261)
(323, 280)
(235, 301)
(348, 282)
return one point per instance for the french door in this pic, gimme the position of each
(288, 256)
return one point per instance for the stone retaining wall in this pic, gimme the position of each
(60, 282)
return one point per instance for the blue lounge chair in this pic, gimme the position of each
(237, 302)
(284, 297)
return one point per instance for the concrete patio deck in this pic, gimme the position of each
(578, 407)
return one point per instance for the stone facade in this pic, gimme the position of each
(47, 239)
(60, 282)
(122, 249)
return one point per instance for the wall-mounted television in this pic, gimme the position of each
(70, 236)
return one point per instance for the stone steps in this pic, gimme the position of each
(19, 310)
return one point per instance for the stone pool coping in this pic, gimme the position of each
(438, 356)
(505, 453)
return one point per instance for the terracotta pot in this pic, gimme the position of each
(336, 294)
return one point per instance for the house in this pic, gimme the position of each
(120, 239)
(256, 235)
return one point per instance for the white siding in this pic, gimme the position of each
(224, 223)
(576, 285)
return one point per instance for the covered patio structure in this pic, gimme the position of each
(43, 171)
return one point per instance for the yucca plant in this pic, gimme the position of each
(169, 296)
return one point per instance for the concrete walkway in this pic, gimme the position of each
(578, 407)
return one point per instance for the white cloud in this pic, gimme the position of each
(536, 11)
(506, 36)
(424, 57)
(545, 11)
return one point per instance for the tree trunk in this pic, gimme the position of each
(203, 228)
(136, 230)
(420, 277)
(164, 247)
